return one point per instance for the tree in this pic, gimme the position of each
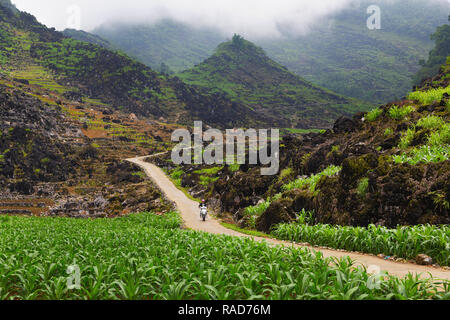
(237, 41)
(437, 56)
(165, 69)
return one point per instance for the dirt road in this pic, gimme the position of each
(190, 213)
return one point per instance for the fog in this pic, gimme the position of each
(247, 17)
(254, 18)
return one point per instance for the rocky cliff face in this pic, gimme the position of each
(48, 166)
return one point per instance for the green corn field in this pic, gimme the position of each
(145, 256)
(403, 242)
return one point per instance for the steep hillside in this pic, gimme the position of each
(87, 37)
(42, 56)
(178, 46)
(380, 63)
(387, 167)
(244, 72)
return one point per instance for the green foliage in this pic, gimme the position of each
(242, 71)
(437, 56)
(305, 217)
(440, 137)
(429, 96)
(311, 182)
(149, 257)
(234, 167)
(403, 242)
(424, 154)
(253, 212)
(397, 113)
(207, 181)
(209, 171)
(176, 176)
(388, 132)
(363, 187)
(407, 138)
(431, 122)
(374, 114)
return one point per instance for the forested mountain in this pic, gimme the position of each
(178, 46)
(340, 53)
(31, 52)
(245, 73)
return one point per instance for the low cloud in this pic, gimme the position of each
(253, 18)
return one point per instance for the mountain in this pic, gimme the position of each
(31, 52)
(339, 53)
(245, 73)
(178, 46)
(388, 167)
(87, 37)
(437, 56)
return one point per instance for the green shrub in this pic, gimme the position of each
(397, 113)
(234, 167)
(311, 182)
(363, 187)
(431, 122)
(209, 171)
(176, 176)
(374, 114)
(425, 154)
(430, 96)
(440, 137)
(388, 132)
(407, 138)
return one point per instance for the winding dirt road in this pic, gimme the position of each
(191, 215)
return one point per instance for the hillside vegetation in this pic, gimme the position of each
(244, 72)
(437, 56)
(337, 48)
(32, 52)
(388, 167)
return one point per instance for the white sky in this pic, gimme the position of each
(247, 17)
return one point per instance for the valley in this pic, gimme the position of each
(358, 210)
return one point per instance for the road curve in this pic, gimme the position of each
(191, 215)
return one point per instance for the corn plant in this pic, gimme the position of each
(147, 257)
(403, 242)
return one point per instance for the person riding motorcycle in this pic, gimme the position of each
(202, 207)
